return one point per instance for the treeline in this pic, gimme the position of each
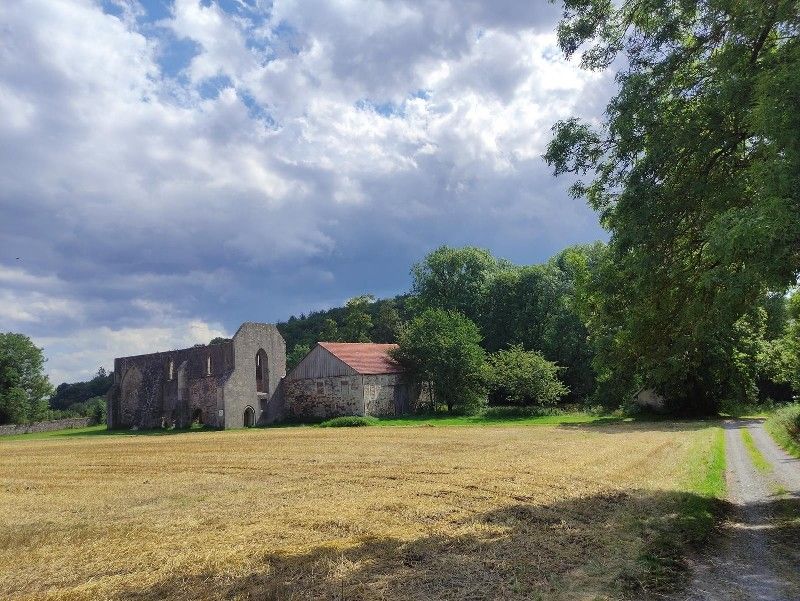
(558, 310)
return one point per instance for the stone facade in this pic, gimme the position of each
(220, 385)
(321, 398)
(333, 380)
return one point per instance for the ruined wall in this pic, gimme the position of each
(168, 388)
(323, 398)
(240, 390)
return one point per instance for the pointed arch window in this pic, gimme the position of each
(208, 365)
(262, 371)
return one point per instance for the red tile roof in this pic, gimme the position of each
(364, 357)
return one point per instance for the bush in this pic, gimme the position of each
(784, 426)
(524, 377)
(349, 421)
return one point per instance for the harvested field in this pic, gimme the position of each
(367, 513)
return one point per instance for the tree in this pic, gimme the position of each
(24, 387)
(456, 279)
(296, 355)
(524, 377)
(388, 323)
(442, 348)
(696, 173)
(330, 331)
(357, 321)
(219, 340)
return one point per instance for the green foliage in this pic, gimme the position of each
(67, 395)
(24, 387)
(784, 426)
(357, 320)
(349, 421)
(329, 331)
(219, 340)
(696, 173)
(536, 306)
(388, 323)
(523, 377)
(442, 348)
(296, 355)
(456, 279)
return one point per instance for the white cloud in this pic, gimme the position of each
(344, 132)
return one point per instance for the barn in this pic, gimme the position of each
(347, 378)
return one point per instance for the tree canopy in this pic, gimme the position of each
(696, 173)
(24, 387)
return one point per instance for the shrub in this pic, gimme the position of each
(349, 421)
(524, 377)
(784, 426)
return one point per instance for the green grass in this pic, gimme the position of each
(87, 431)
(492, 420)
(690, 519)
(759, 461)
(349, 421)
(784, 427)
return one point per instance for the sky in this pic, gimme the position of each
(170, 169)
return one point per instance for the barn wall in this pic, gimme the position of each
(387, 395)
(323, 398)
(320, 363)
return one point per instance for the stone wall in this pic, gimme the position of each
(49, 426)
(323, 398)
(167, 388)
(387, 395)
(240, 390)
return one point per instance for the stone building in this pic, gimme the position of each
(342, 378)
(231, 384)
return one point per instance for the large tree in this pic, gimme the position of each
(442, 349)
(24, 387)
(696, 173)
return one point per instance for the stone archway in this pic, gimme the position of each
(249, 417)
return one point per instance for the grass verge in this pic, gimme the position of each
(759, 461)
(690, 522)
(784, 427)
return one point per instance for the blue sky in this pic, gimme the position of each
(169, 169)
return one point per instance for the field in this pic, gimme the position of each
(577, 511)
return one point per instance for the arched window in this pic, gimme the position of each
(262, 371)
(208, 365)
(171, 370)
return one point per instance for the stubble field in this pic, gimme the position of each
(570, 512)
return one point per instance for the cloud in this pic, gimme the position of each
(216, 162)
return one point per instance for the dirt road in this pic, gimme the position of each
(758, 555)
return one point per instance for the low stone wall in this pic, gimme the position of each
(58, 424)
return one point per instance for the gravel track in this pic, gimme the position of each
(758, 554)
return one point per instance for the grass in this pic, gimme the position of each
(561, 512)
(697, 511)
(349, 421)
(759, 461)
(784, 427)
(55, 433)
